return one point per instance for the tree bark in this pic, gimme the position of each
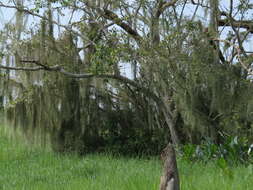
(171, 126)
(170, 177)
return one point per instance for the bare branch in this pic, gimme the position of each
(246, 24)
(199, 4)
(113, 17)
(54, 68)
(163, 6)
(238, 55)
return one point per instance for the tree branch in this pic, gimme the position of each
(57, 68)
(113, 17)
(246, 24)
(162, 6)
(199, 4)
(22, 68)
(107, 14)
(238, 51)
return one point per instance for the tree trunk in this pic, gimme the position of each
(213, 26)
(169, 118)
(171, 126)
(170, 177)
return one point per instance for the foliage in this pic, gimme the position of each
(233, 151)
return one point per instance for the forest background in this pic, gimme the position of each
(188, 71)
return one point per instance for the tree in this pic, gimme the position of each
(185, 75)
(92, 36)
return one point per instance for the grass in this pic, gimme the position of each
(36, 169)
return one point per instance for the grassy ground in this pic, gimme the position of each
(35, 169)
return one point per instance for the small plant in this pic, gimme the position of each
(233, 150)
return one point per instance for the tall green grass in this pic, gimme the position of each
(33, 168)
